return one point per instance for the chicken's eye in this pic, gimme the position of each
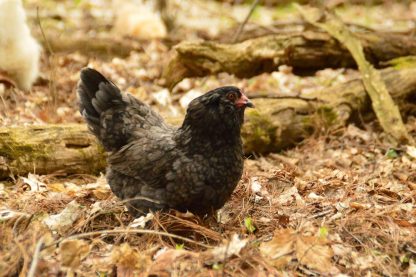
(231, 96)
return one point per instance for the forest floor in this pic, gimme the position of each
(341, 203)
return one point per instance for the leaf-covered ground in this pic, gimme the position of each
(340, 203)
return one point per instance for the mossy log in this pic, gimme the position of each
(68, 148)
(281, 123)
(275, 124)
(306, 50)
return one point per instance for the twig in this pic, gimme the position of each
(48, 45)
(353, 236)
(113, 232)
(19, 220)
(35, 260)
(270, 96)
(23, 251)
(52, 77)
(241, 27)
(163, 228)
(323, 213)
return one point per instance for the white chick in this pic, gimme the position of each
(19, 51)
(138, 19)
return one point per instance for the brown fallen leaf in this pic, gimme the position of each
(288, 245)
(182, 261)
(56, 187)
(129, 261)
(280, 249)
(64, 220)
(224, 251)
(73, 252)
(315, 253)
(175, 263)
(101, 193)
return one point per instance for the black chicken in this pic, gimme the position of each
(154, 166)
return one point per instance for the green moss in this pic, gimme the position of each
(95, 164)
(327, 115)
(21, 158)
(26, 149)
(309, 123)
(403, 62)
(284, 11)
(13, 150)
(259, 133)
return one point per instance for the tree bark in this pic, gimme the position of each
(277, 124)
(69, 148)
(387, 112)
(274, 125)
(306, 49)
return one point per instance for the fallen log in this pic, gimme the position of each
(69, 148)
(274, 125)
(96, 46)
(282, 123)
(387, 112)
(305, 49)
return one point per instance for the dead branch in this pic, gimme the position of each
(304, 49)
(98, 45)
(383, 105)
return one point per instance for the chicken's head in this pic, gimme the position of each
(222, 108)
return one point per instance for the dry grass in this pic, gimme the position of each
(340, 202)
(354, 201)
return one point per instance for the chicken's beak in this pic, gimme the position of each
(243, 101)
(250, 104)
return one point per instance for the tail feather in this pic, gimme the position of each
(96, 92)
(96, 96)
(114, 117)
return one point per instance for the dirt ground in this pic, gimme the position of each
(341, 203)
